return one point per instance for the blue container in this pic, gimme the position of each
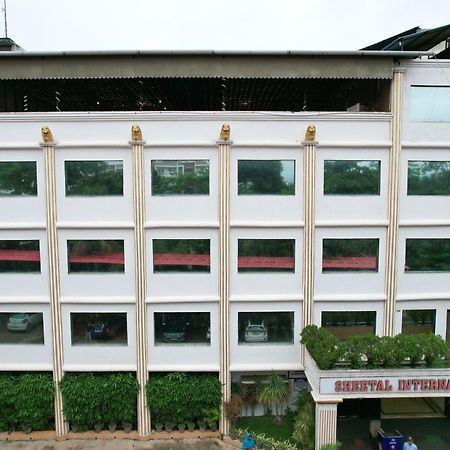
(390, 440)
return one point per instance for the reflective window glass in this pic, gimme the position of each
(428, 177)
(180, 177)
(182, 328)
(416, 321)
(21, 328)
(96, 255)
(19, 256)
(266, 255)
(348, 177)
(430, 104)
(94, 178)
(98, 328)
(181, 255)
(344, 324)
(266, 327)
(18, 178)
(350, 255)
(427, 255)
(266, 177)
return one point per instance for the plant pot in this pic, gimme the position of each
(181, 427)
(202, 426)
(26, 429)
(112, 427)
(158, 427)
(169, 426)
(127, 427)
(74, 427)
(98, 427)
(213, 426)
(191, 426)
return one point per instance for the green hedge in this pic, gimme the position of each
(93, 400)
(178, 398)
(371, 351)
(27, 402)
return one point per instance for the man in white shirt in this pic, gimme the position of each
(410, 444)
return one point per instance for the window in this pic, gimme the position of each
(345, 177)
(428, 177)
(19, 256)
(350, 255)
(21, 328)
(94, 178)
(98, 328)
(430, 103)
(344, 324)
(266, 177)
(180, 177)
(181, 255)
(182, 328)
(427, 255)
(96, 256)
(416, 321)
(266, 327)
(266, 255)
(18, 178)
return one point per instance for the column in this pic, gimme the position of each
(224, 144)
(309, 185)
(393, 203)
(143, 414)
(48, 146)
(326, 424)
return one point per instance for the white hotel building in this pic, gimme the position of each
(172, 249)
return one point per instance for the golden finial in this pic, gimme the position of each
(225, 132)
(47, 134)
(310, 134)
(136, 133)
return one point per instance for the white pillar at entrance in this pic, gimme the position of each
(326, 424)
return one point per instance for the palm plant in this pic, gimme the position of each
(275, 392)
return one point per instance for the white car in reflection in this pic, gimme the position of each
(256, 333)
(23, 321)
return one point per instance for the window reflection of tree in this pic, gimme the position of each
(428, 177)
(18, 178)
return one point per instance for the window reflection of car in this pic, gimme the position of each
(23, 321)
(255, 333)
(107, 327)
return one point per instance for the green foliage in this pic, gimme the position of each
(304, 422)
(392, 354)
(26, 401)
(167, 397)
(274, 392)
(102, 398)
(18, 178)
(427, 255)
(188, 183)
(335, 446)
(325, 348)
(434, 348)
(266, 442)
(428, 177)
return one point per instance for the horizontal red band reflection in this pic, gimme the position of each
(351, 262)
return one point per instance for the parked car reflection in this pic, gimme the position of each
(23, 321)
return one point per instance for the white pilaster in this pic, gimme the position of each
(326, 424)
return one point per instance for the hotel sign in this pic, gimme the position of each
(384, 385)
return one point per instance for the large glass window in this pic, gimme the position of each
(94, 178)
(418, 321)
(350, 255)
(19, 256)
(348, 177)
(181, 255)
(98, 328)
(344, 324)
(266, 177)
(18, 178)
(182, 328)
(21, 328)
(266, 327)
(428, 177)
(427, 255)
(430, 103)
(180, 177)
(95, 256)
(266, 255)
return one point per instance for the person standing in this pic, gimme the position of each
(409, 445)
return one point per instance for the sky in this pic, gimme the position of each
(58, 25)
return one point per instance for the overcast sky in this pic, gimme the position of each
(55, 25)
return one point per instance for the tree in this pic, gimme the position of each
(275, 392)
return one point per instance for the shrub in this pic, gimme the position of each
(274, 392)
(233, 407)
(335, 446)
(167, 396)
(98, 399)
(304, 423)
(27, 401)
(392, 353)
(434, 348)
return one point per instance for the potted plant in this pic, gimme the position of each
(275, 392)
(191, 426)
(211, 417)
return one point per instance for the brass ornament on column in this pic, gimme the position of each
(310, 134)
(136, 133)
(225, 132)
(47, 135)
